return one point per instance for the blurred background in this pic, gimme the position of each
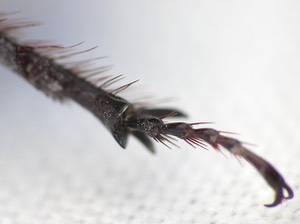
(235, 63)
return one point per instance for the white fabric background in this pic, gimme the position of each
(232, 62)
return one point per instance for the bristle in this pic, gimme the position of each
(202, 122)
(196, 141)
(98, 79)
(64, 56)
(91, 73)
(173, 113)
(112, 81)
(38, 44)
(124, 87)
(12, 26)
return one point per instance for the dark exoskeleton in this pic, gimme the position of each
(147, 123)
(119, 116)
